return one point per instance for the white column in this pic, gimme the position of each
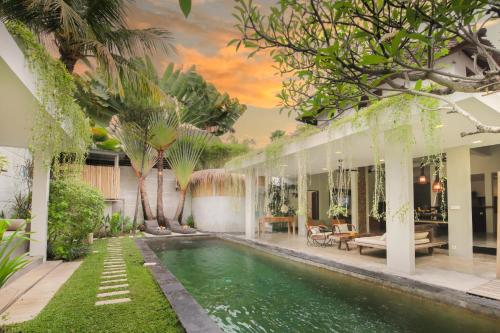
(39, 208)
(354, 199)
(459, 202)
(399, 204)
(250, 188)
(488, 201)
(498, 226)
(302, 211)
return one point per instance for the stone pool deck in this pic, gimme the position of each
(439, 277)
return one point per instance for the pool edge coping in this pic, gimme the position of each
(191, 315)
(440, 294)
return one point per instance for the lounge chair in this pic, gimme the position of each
(317, 235)
(153, 228)
(343, 233)
(423, 240)
(176, 227)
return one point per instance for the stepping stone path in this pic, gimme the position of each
(114, 277)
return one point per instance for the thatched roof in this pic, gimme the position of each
(216, 176)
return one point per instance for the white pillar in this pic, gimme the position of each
(459, 202)
(302, 199)
(488, 201)
(400, 238)
(354, 199)
(250, 188)
(498, 226)
(39, 208)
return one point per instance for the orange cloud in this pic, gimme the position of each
(252, 80)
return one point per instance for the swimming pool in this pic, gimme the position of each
(248, 290)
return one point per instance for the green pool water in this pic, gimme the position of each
(247, 290)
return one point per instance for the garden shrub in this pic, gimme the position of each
(75, 210)
(190, 221)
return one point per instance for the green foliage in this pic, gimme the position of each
(190, 221)
(22, 206)
(277, 134)
(185, 7)
(103, 140)
(217, 153)
(338, 55)
(75, 209)
(9, 264)
(58, 109)
(279, 198)
(205, 107)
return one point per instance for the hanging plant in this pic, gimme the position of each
(339, 183)
(61, 127)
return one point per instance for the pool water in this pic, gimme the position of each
(247, 290)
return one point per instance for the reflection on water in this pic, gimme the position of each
(246, 290)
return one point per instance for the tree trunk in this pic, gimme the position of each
(68, 60)
(146, 207)
(180, 206)
(160, 215)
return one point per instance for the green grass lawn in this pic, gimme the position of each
(73, 310)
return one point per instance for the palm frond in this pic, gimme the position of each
(164, 125)
(133, 143)
(184, 154)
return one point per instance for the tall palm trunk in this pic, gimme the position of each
(180, 205)
(146, 207)
(68, 59)
(160, 215)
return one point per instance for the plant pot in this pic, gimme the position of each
(90, 238)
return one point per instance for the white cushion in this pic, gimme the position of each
(421, 235)
(375, 240)
(422, 241)
(315, 230)
(383, 237)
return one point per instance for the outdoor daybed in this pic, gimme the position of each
(176, 227)
(424, 239)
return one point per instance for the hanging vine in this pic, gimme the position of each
(61, 132)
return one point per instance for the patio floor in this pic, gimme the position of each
(438, 269)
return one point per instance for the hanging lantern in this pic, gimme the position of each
(437, 187)
(422, 179)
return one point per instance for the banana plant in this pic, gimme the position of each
(183, 156)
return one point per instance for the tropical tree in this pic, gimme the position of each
(163, 132)
(88, 31)
(133, 142)
(205, 106)
(341, 54)
(183, 157)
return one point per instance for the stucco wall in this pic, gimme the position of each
(219, 213)
(10, 181)
(128, 192)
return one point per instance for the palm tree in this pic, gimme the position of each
(164, 131)
(183, 156)
(133, 141)
(87, 29)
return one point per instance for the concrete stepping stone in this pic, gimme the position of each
(113, 281)
(114, 293)
(113, 272)
(114, 266)
(114, 286)
(149, 264)
(113, 301)
(113, 276)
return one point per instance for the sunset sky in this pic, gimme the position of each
(201, 40)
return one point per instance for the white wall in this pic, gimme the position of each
(128, 192)
(219, 213)
(10, 181)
